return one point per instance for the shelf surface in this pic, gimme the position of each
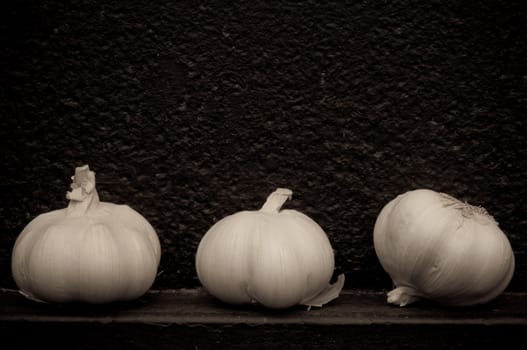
(195, 306)
(192, 319)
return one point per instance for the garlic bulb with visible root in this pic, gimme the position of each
(91, 251)
(436, 247)
(276, 258)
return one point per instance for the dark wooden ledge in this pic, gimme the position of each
(197, 307)
(193, 319)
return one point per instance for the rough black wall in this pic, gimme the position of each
(189, 111)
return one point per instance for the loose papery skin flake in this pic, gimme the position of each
(436, 247)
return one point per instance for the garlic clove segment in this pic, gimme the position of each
(273, 257)
(436, 247)
(92, 251)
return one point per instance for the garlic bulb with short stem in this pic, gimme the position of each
(436, 247)
(94, 252)
(273, 257)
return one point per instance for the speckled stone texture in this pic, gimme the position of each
(189, 111)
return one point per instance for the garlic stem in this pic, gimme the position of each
(274, 202)
(83, 196)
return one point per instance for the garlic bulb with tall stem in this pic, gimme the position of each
(92, 251)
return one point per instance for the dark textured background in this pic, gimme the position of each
(190, 111)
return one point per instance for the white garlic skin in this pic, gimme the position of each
(274, 259)
(110, 254)
(436, 247)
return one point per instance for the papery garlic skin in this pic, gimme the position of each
(276, 258)
(435, 247)
(91, 251)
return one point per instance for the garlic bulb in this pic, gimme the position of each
(91, 251)
(276, 258)
(435, 247)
